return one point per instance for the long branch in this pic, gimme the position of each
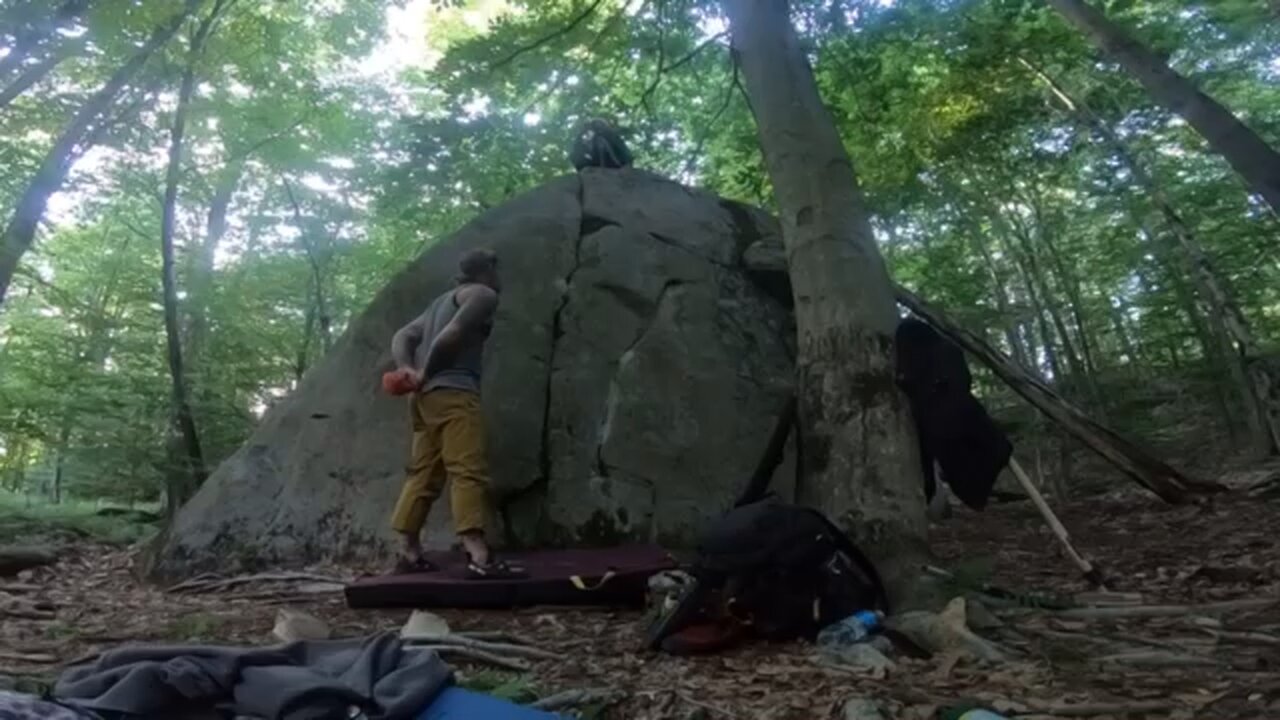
(561, 32)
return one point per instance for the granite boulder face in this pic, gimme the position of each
(631, 380)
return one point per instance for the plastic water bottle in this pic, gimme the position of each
(851, 630)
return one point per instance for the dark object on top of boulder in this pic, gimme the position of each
(597, 144)
(953, 427)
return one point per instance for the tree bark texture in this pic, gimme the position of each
(1147, 470)
(48, 179)
(321, 314)
(26, 38)
(862, 465)
(38, 71)
(1256, 161)
(180, 488)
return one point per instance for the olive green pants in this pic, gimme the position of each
(448, 445)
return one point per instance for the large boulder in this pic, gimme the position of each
(631, 380)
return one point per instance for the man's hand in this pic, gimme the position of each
(414, 376)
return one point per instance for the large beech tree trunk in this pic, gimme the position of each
(1256, 161)
(861, 462)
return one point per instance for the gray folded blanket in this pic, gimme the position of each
(306, 680)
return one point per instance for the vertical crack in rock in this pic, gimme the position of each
(740, 216)
(615, 393)
(587, 225)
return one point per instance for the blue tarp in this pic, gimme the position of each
(458, 704)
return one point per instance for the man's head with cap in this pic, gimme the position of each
(479, 266)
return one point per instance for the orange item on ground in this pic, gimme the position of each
(397, 382)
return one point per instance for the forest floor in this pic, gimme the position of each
(1198, 663)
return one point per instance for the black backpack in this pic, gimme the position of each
(784, 570)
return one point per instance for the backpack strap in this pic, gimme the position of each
(859, 558)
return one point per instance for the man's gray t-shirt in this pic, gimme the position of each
(464, 372)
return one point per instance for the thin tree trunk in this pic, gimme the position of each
(21, 230)
(38, 71)
(1075, 301)
(1035, 275)
(59, 464)
(27, 38)
(1256, 161)
(861, 458)
(1065, 278)
(181, 486)
(1127, 347)
(1250, 376)
(1047, 339)
(1147, 470)
(302, 361)
(317, 275)
(201, 280)
(977, 242)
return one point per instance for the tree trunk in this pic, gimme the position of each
(38, 71)
(1080, 377)
(1148, 471)
(60, 461)
(321, 316)
(1075, 299)
(1047, 339)
(1127, 346)
(1250, 376)
(861, 460)
(180, 488)
(1256, 161)
(303, 359)
(21, 230)
(27, 38)
(200, 289)
(977, 241)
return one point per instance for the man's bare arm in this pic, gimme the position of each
(405, 342)
(476, 308)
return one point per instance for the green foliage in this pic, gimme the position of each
(197, 627)
(506, 686)
(27, 520)
(987, 196)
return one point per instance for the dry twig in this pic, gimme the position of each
(1159, 659)
(204, 584)
(1091, 709)
(34, 658)
(578, 698)
(1149, 611)
(458, 641)
(479, 655)
(706, 706)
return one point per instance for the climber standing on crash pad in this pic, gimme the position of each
(438, 358)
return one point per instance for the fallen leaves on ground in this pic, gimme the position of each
(1221, 665)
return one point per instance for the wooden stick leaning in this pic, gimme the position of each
(1090, 572)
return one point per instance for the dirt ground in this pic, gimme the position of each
(1203, 663)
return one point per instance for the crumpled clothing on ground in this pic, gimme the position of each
(17, 706)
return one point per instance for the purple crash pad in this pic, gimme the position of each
(604, 576)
